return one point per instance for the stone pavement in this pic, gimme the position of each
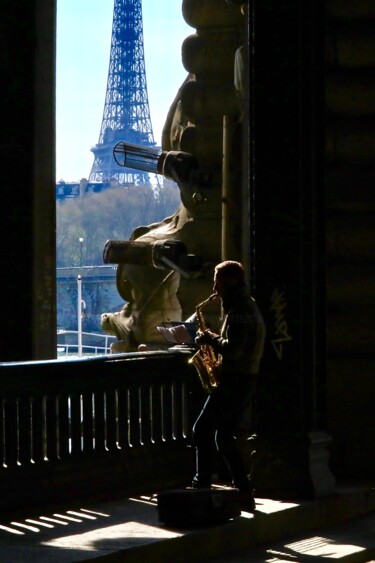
(337, 527)
(352, 541)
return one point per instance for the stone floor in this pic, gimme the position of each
(351, 541)
(340, 527)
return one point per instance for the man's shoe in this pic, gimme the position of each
(247, 501)
(197, 485)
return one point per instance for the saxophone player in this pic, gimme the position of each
(240, 347)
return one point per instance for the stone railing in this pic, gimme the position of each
(100, 427)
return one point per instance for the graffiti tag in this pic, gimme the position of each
(278, 306)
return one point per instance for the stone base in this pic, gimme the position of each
(286, 466)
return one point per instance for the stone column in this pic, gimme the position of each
(287, 241)
(27, 164)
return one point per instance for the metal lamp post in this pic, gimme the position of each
(81, 250)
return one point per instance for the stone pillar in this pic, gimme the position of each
(27, 164)
(287, 241)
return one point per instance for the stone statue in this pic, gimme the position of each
(208, 220)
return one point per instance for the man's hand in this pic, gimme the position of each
(204, 337)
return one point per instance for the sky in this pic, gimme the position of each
(82, 58)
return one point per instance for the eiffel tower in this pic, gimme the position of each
(126, 115)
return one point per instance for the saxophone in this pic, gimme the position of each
(205, 359)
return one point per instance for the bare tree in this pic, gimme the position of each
(112, 214)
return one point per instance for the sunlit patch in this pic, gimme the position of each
(128, 532)
(25, 526)
(65, 517)
(39, 523)
(269, 506)
(247, 515)
(12, 530)
(317, 546)
(54, 520)
(95, 512)
(33, 525)
(87, 516)
(144, 500)
(279, 556)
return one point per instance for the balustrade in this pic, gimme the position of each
(95, 426)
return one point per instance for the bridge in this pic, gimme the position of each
(305, 189)
(99, 295)
(86, 445)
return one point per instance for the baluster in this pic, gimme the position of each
(10, 432)
(145, 415)
(51, 428)
(2, 433)
(111, 420)
(166, 412)
(134, 415)
(176, 408)
(185, 411)
(99, 421)
(184, 401)
(38, 435)
(75, 424)
(87, 422)
(123, 417)
(156, 420)
(24, 431)
(63, 446)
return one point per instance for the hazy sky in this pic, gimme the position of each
(83, 48)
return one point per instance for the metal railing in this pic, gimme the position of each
(94, 426)
(79, 348)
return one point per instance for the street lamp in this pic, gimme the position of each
(81, 243)
(81, 308)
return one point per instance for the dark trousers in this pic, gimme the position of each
(216, 426)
